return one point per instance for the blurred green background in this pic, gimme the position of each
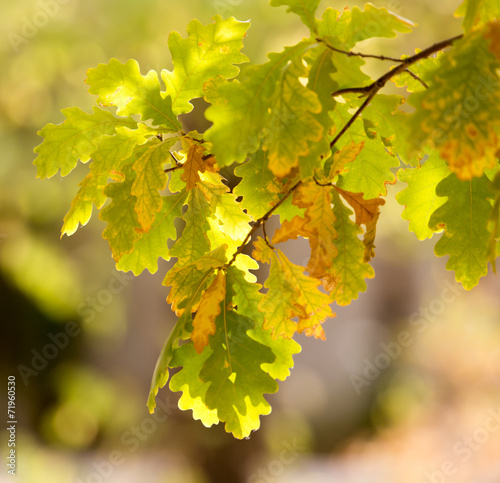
(82, 407)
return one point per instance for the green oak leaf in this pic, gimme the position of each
(270, 106)
(108, 158)
(233, 370)
(209, 50)
(188, 381)
(463, 121)
(287, 210)
(348, 71)
(123, 227)
(74, 139)
(233, 221)
(193, 243)
(153, 244)
(421, 70)
(161, 373)
(123, 86)
(419, 197)
(258, 187)
(349, 270)
(464, 218)
(391, 124)
(226, 381)
(321, 82)
(246, 299)
(371, 170)
(81, 207)
(150, 180)
(356, 25)
(305, 9)
(476, 13)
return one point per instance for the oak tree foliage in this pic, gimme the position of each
(313, 140)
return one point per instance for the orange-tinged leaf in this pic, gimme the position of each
(320, 226)
(315, 331)
(209, 309)
(193, 165)
(347, 154)
(290, 230)
(459, 114)
(369, 239)
(366, 211)
(493, 35)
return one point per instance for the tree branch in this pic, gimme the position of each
(261, 221)
(375, 86)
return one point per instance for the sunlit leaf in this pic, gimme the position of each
(123, 86)
(208, 51)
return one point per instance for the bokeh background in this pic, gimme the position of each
(405, 389)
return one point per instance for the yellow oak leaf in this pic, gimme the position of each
(290, 294)
(263, 251)
(319, 225)
(209, 309)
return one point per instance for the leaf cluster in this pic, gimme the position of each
(313, 140)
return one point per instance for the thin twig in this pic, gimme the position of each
(357, 54)
(349, 123)
(260, 221)
(168, 170)
(375, 86)
(416, 77)
(176, 161)
(266, 239)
